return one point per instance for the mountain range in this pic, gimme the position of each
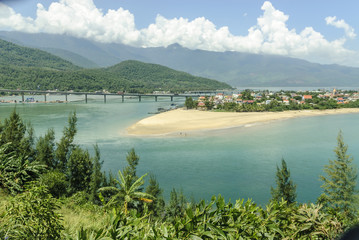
(234, 68)
(29, 68)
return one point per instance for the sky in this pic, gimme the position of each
(322, 31)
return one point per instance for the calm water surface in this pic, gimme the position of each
(238, 162)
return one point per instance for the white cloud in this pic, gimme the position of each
(270, 35)
(81, 18)
(349, 31)
(9, 20)
(197, 34)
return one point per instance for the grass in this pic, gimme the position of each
(74, 215)
(87, 217)
(4, 198)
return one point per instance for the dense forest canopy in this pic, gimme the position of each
(15, 55)
(29, 69)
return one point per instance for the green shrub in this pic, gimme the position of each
(31, 215)
(55, 182)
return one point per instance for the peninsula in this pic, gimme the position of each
(182, 121)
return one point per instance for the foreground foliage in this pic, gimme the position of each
(32, 215)
(220, 220)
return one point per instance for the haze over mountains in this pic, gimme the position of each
(236, 69)
(29, 68)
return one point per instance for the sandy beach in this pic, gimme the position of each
(182, 121)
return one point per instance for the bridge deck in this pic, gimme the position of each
(123, 95)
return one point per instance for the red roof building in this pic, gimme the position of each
(306, 97)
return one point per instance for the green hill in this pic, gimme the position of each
(26, 68)
(160, 77)
(15, 55)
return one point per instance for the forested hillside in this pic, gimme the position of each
(26, 68)
(161, 77)
(15, 55)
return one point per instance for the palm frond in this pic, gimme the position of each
(122, 180)
(137, 184)
(108, 189)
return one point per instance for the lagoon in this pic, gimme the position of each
(237, 162)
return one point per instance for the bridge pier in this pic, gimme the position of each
(104, 98)
(22, 97)
(66, 97)
(85, 98)
(171, 98)
(156, 98)
(45, 97)
(123, 98)
(139, 98)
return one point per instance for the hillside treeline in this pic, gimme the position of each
(31, 69)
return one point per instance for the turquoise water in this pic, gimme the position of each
(238, 162)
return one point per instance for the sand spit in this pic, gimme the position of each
(182, 121)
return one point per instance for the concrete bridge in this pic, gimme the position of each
(195, 94)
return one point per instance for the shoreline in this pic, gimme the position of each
(180, 121)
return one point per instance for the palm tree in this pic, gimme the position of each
(128, 193)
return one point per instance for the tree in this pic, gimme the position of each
(189, 103)
(177, 203)
(79, 171)
(130, 171)
(96, 177)
(15, 131)
(340, 180)
(65, 146)
(209, 104)
(247, 95)
(127, 193)
(173, 207)
(285, 189)
(154, 189)
(45, 149)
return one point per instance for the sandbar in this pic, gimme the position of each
(181, 121)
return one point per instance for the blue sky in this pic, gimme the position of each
(318, 31)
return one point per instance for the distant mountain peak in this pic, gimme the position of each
(174, 46)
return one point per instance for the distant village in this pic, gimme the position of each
(309, 99)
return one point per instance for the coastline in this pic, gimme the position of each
(183, 121)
